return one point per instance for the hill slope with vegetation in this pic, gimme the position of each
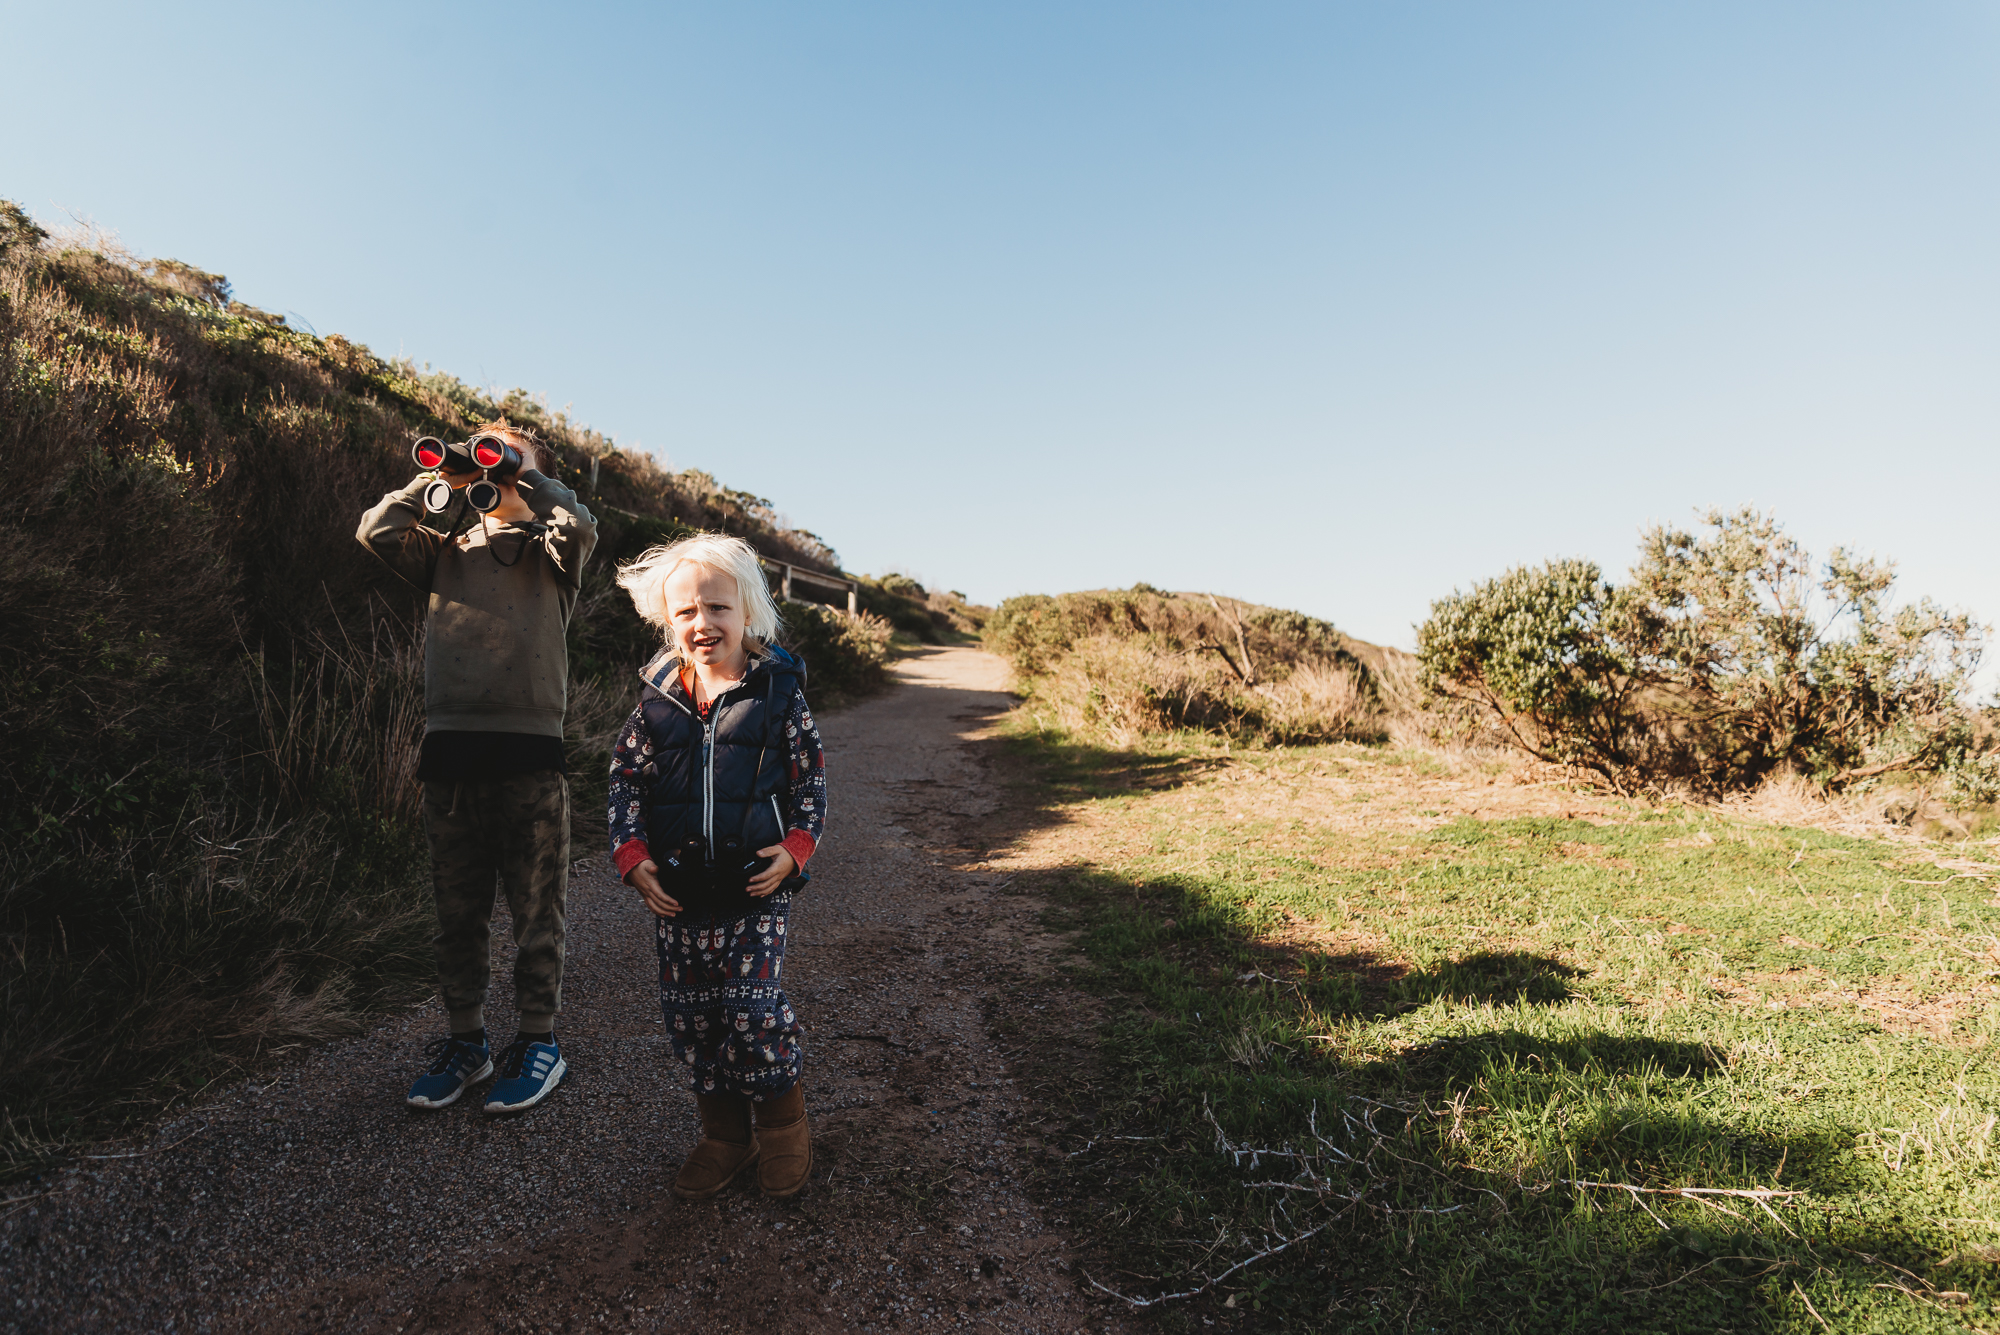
(1116, 664)
(210, 694)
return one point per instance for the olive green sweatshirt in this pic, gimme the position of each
(501, 595)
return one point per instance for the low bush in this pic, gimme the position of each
(845, 657)
(1120, 689)
(1320, 702)
(1120, 664)
(1726, 658)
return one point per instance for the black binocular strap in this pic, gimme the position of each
(452, 530)
(493, 548)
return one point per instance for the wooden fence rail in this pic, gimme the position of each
(786, 578)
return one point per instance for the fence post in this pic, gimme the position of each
(785, 582)
(851, 610)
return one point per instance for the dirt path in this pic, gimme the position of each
(316, 1201)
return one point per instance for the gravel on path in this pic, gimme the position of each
(311, 1198)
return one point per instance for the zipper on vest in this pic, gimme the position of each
(779, 817)
(708, 787)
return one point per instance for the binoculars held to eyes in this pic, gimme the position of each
(493, 458)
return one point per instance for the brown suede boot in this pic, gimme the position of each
(787, 1144)
(727, 1147)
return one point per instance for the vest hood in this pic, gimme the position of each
(664, 671)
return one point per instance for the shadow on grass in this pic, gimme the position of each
(1501, 977)
(1217, 1023)
(1605, 1054)
(1217, 941)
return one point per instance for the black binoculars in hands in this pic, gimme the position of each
(490, 456)
(734, 866)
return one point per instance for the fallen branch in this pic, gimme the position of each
(1871, 771)
(1213, 1280)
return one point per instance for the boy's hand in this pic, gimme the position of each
(645, 878)
(769, 879)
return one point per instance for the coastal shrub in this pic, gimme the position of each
(1728, 656)
(1119, 664)
(845, 656)
(1120, 689)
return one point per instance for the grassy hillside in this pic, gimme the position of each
(210, 694)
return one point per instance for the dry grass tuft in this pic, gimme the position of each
(1323, 702)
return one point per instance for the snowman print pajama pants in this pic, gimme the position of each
(726, 1013)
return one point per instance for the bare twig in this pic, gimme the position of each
(1213, 1280)
(1242, 641)
(1746, 1193)
(1222, 653)
(16, 1204)
(1908, 1292)
(1809, 1304)
(1687, 1275)
(1094, 1139)
(1759, 1196)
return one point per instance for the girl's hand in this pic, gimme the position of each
(769, 879)
(645, 878)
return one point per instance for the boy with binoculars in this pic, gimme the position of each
(499, 546)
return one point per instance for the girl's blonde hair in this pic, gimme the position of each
(645, 578)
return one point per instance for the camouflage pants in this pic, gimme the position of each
(515, 830)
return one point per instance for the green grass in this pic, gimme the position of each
(1480, 1015)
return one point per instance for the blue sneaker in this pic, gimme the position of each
(456, 1065)
(529, 1073)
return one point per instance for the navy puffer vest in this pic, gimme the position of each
(718, 790)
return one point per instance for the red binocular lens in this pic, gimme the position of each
(492, 452)
(432, 453)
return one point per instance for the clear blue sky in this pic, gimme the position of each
(1329, 306)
